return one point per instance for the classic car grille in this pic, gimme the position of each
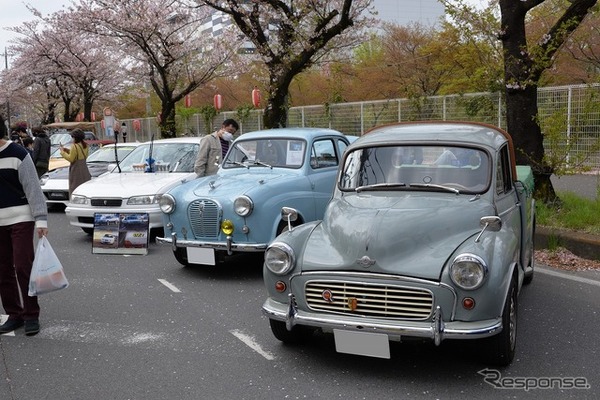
(204, 218)
(106, 202)
(369, 300)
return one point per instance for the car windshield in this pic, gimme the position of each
(106, 154)
(452, 169)
(286, 153)
(60, 138)
(168, 157)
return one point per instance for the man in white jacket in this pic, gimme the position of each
(23, 211)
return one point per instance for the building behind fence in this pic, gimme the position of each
(575, 109)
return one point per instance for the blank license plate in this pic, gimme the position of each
(200, 255)
(362, 343)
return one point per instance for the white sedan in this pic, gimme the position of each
(137, 184)
(55, 183)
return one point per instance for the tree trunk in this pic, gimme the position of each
(168, 128)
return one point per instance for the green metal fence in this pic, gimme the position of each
(570, 113)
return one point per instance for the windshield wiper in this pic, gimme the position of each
(262, 163)
(379, 186)
(237, 163)
(435, 186)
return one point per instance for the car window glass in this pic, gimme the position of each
(107, 154)
(465, 169)
(323, 154)
(167, 157)
(285, 153)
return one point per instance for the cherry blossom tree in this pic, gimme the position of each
(292, 36)
(162, 42)
(524, 64)
(526, 57)
(67, 63)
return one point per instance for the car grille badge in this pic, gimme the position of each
(327, 295)
(352, 303)
(365, 261)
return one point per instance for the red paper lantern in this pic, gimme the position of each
(137, 125)
(218, 100)
(256, 97)
(188, 100)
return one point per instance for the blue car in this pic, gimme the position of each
(238, 210)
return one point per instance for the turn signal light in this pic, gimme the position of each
(468, 303)
(280, 286)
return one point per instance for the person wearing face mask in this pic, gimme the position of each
(214, 147)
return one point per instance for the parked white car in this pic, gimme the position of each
(55, 183)
(136, 186)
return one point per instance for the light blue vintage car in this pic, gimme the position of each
(429, 235)
(238, 209)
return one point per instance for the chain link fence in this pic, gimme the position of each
(569, 117)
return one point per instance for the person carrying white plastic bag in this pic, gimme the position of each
(23, 212)
(47, 274)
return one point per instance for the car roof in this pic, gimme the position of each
(305, 133)
(187, 139)
(444, 132)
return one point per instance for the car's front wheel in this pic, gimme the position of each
(502, 346)
(298, 334)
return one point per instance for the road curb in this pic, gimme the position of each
(581, 244)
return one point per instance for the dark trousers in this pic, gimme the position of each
(16, 259)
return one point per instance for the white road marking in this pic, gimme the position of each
(568, 276)
(169, 285)
(250, 342)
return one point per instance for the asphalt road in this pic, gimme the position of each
(143, 327)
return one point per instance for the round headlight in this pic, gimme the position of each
(167, 203)
(468, 271)
(243, 206)
(227, 227)
(279, 258)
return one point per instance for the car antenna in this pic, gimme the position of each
(150, 160)
(116, 153)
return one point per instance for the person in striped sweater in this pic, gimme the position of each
(23, 212)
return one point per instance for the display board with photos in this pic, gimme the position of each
(121, 233)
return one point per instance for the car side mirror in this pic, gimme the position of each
(289, 214)
(492, 223)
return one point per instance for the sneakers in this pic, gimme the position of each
(10, 325)
(32, 327)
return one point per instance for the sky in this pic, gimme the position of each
(14, 12)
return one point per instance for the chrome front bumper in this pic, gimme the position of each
(229, 246)
(436, 330)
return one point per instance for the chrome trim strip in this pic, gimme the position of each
(254, 247)
(436, 330)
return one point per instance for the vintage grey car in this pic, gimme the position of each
(429, 235)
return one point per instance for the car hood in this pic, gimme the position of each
(412, 235)
(223, 185)
(129, 184)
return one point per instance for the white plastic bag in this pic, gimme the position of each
(47, 274)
